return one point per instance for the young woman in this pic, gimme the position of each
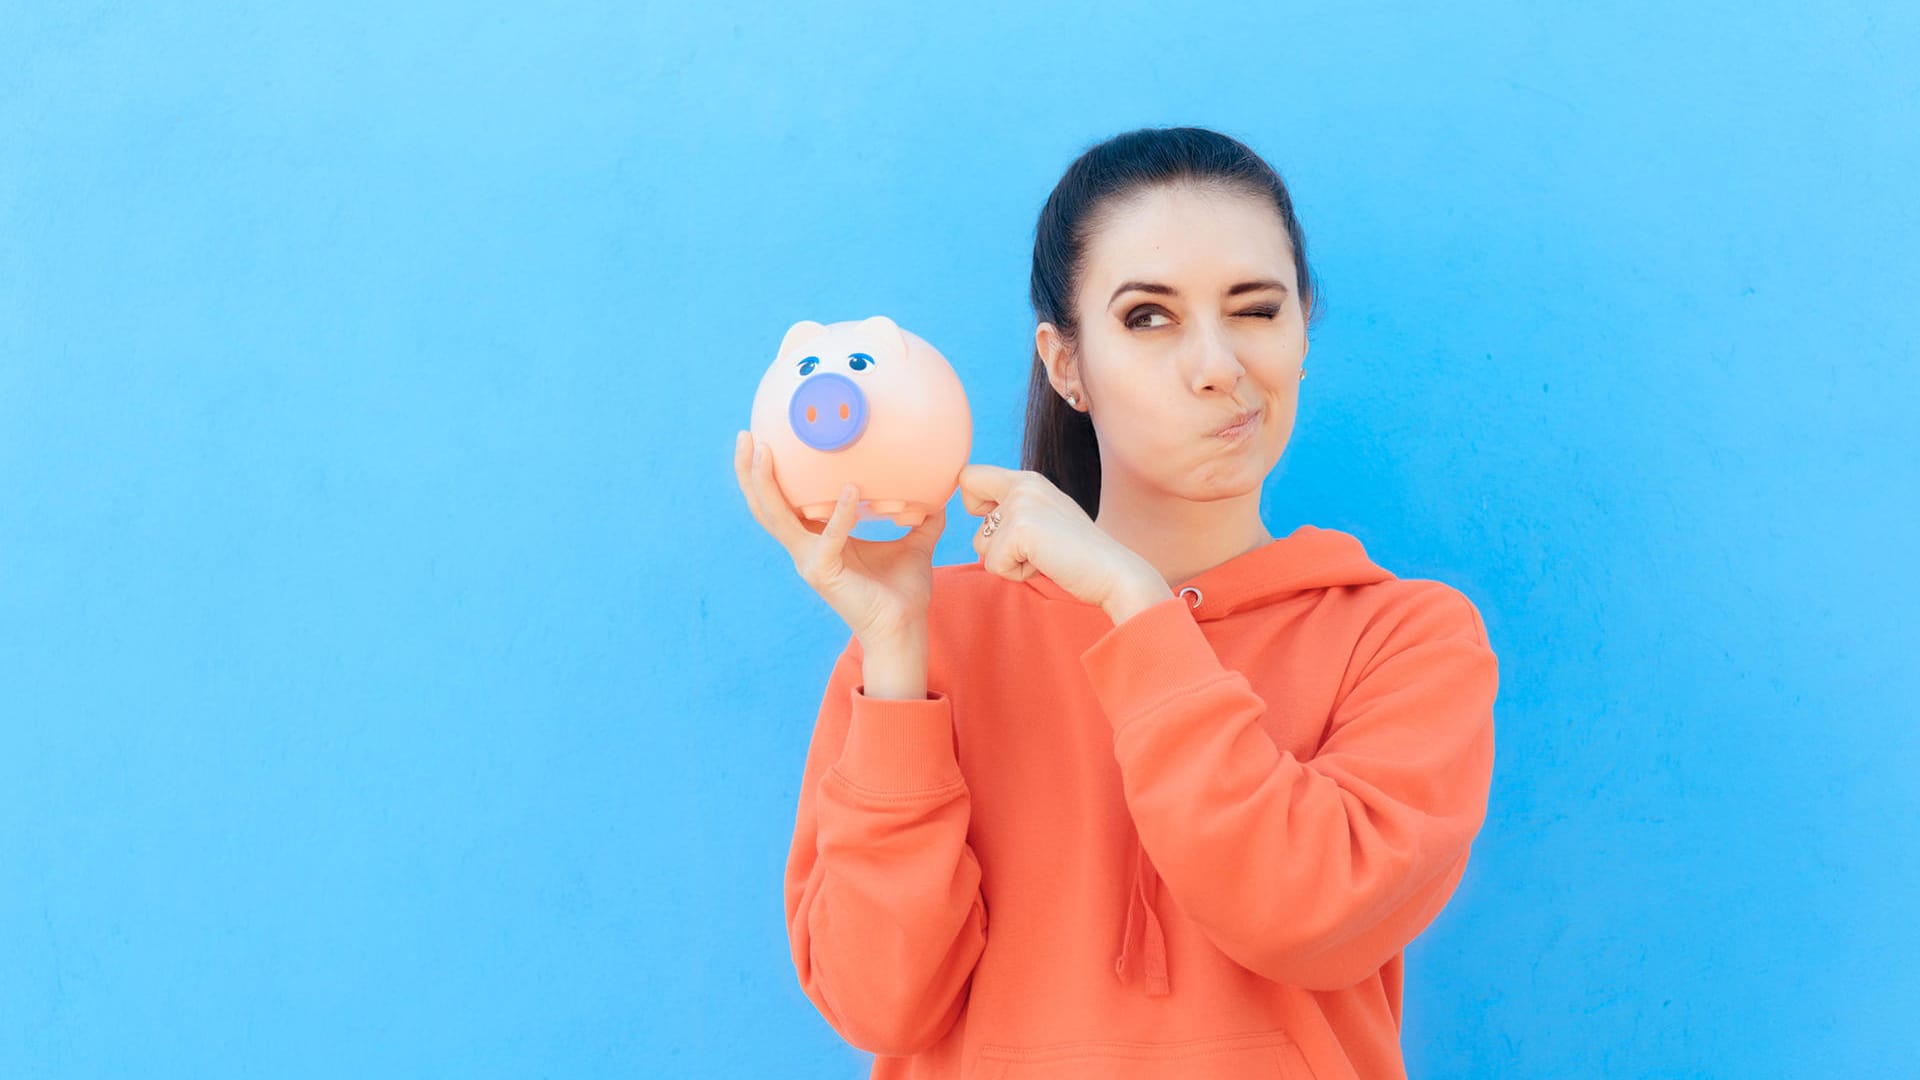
(1145, 791)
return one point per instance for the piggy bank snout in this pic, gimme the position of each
(828, 411)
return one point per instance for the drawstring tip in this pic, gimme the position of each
(1158, 984)
(1156, 981)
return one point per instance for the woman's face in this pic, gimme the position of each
(1161, 371)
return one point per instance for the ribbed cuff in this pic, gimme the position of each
(1140, 663)
(896, 745)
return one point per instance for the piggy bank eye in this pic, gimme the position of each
(808, 364)
(859, 361)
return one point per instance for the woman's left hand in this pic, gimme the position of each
(1041, 529)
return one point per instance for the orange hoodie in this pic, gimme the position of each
(1193, 843)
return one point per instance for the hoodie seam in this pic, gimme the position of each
(1169, 698)
(896, 794)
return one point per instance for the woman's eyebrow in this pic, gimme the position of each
(1168, 290)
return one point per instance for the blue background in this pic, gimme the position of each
(395, 683)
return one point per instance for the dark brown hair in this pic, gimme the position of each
(1059, 442)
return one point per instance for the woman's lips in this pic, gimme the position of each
(1242, 428)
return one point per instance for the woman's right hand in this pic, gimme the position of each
(880, 587)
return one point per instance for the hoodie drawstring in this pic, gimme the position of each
(1155, 959)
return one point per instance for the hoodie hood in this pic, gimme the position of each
(1308, 558)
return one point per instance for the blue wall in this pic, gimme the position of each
(396, 685)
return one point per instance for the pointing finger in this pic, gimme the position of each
(983, 487)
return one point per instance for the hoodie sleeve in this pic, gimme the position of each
(884, 912)
(1310, 873)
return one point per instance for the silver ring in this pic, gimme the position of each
(993, 522)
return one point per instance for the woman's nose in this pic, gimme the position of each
(1217, 367)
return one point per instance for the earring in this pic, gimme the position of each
(1303, 373)
(1073, 399)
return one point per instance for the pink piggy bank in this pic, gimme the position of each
(866, 403)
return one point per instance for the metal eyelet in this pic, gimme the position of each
(1195, 602)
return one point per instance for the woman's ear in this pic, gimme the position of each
(1055, 355)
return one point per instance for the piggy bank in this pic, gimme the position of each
(867, 403)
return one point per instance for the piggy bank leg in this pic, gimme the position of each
(820, 511)
(904, 512)
(900, 511)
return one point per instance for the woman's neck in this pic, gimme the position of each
(1181, 538)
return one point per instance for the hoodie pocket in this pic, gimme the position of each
(1264, 1054)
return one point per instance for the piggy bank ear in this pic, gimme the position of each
(799, 332)
(881, 328)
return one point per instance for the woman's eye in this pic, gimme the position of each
(1263, 313)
